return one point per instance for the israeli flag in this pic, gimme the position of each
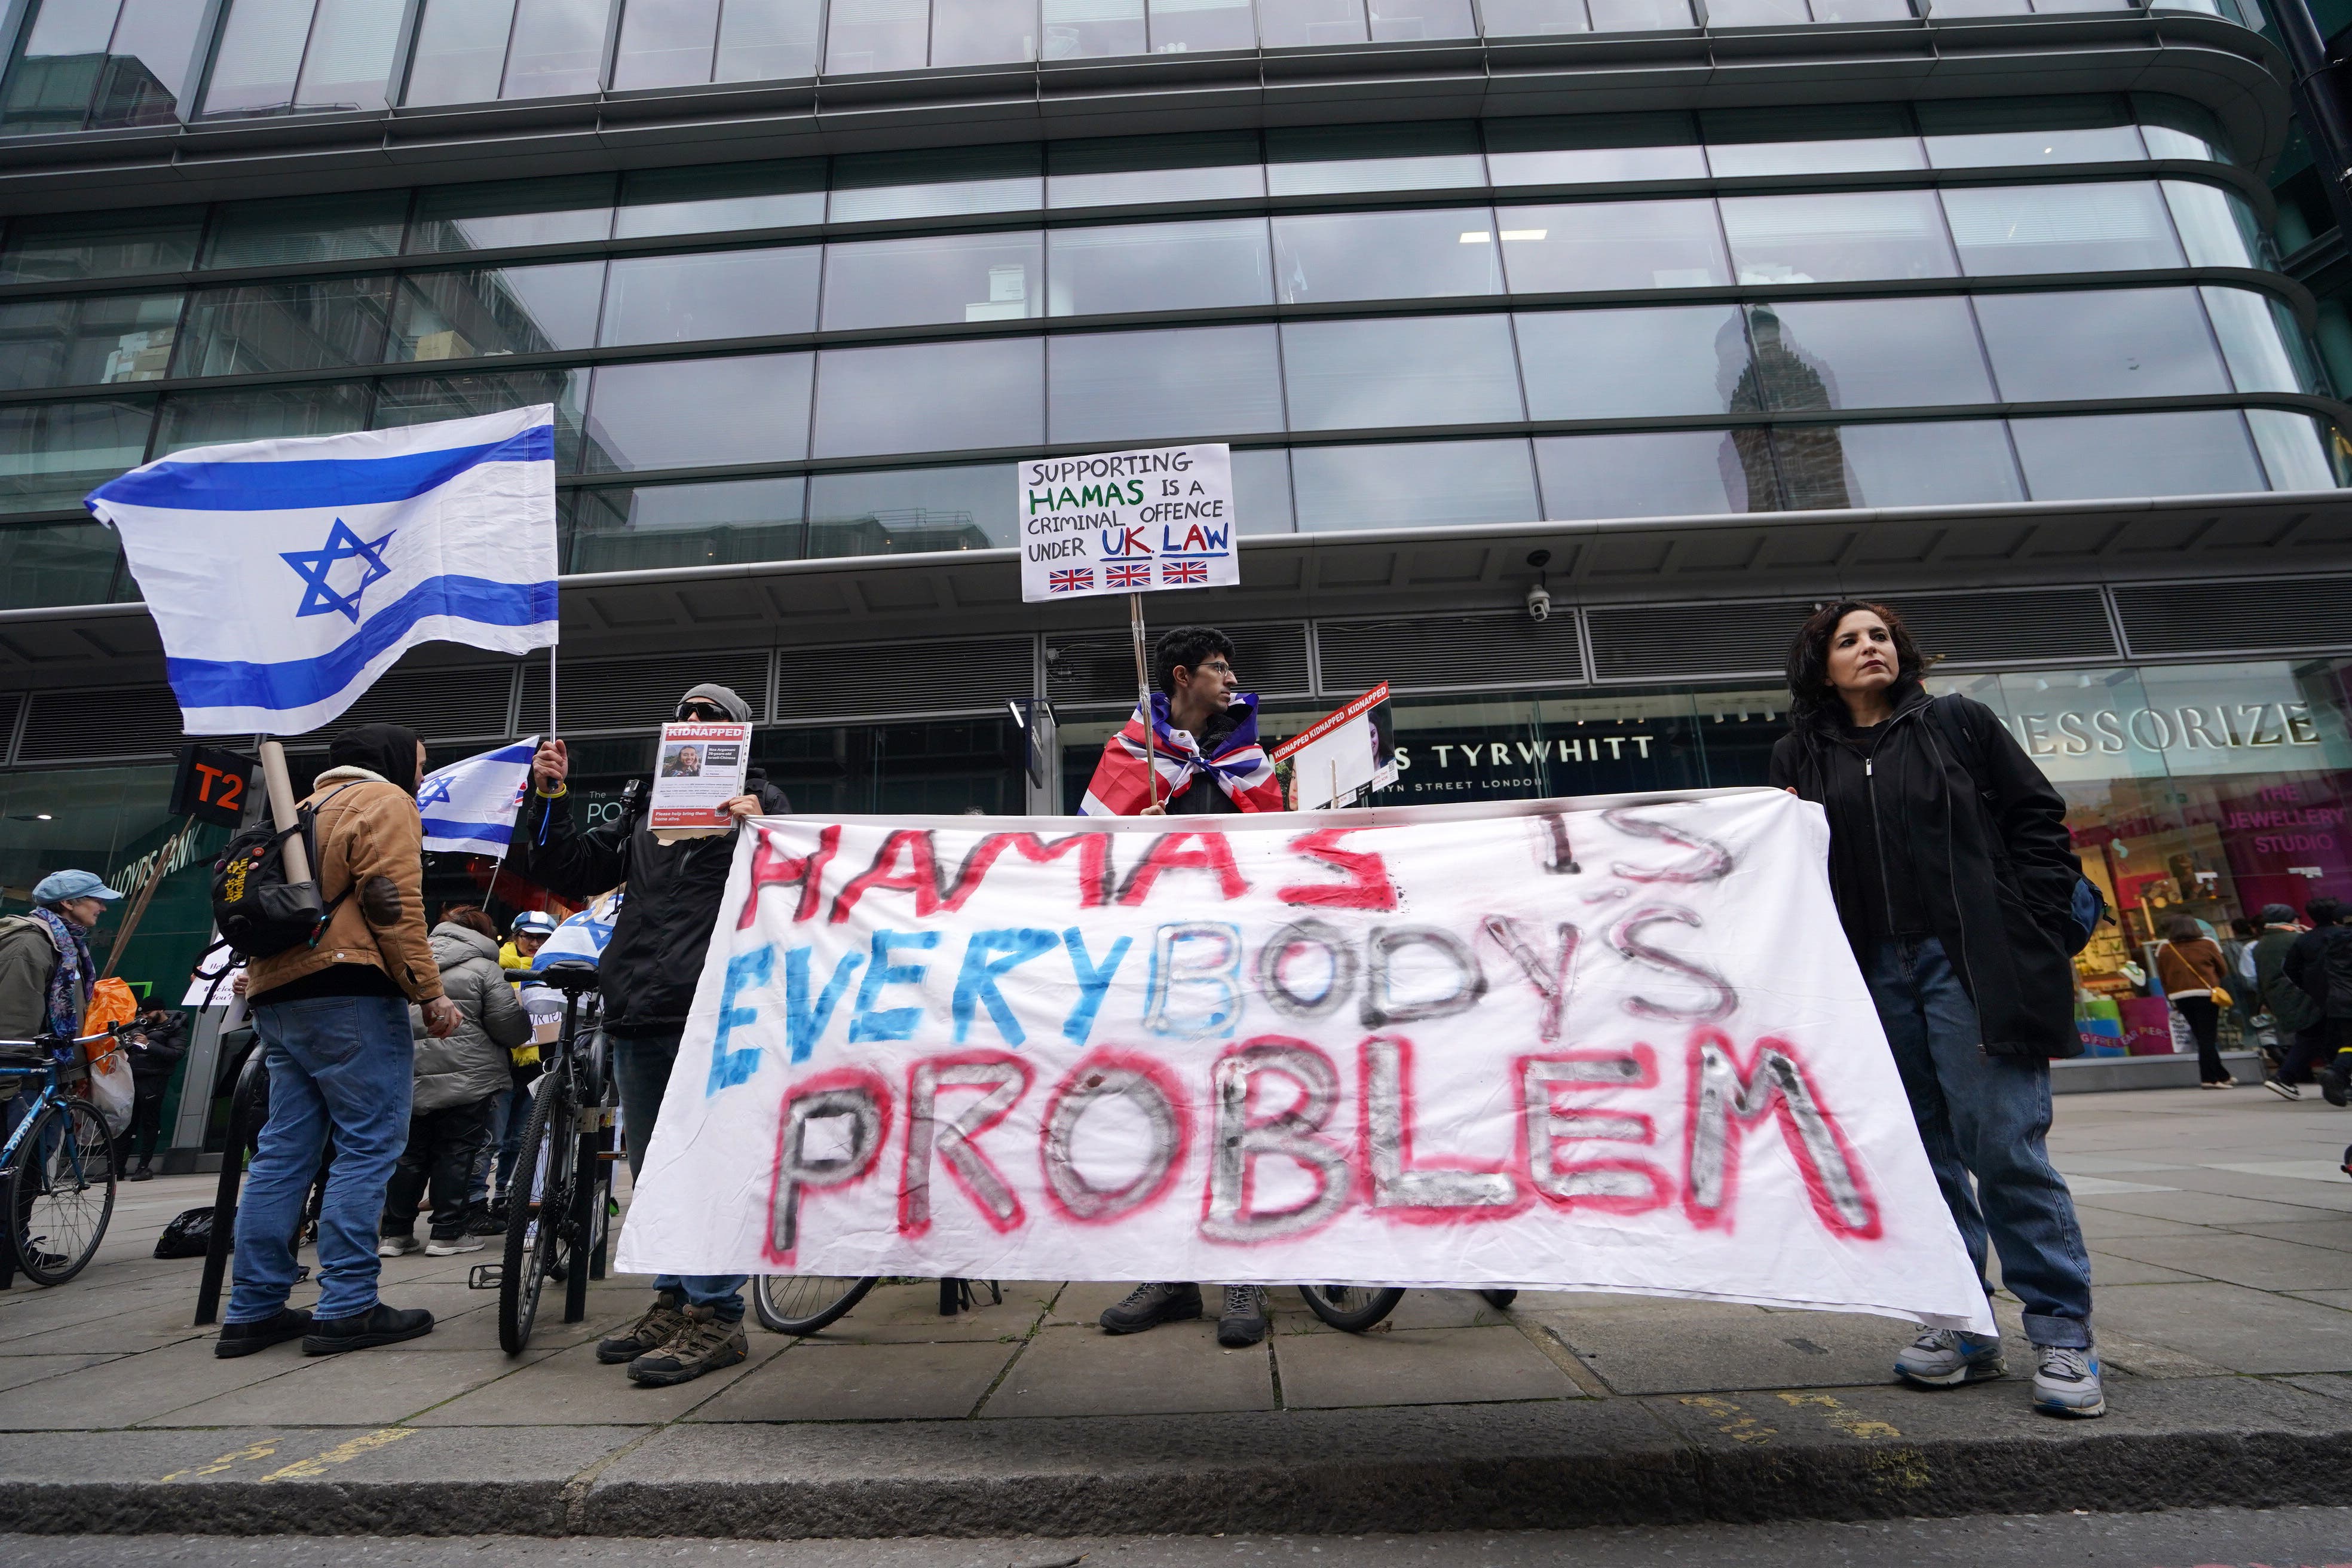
(469, 806)
(287, 576)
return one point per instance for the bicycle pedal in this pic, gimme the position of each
(485, 1276)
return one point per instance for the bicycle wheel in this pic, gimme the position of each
(538, 1211)
(1350, 1309)
(1498, 1299)
(61, 1191)
(803, 1303)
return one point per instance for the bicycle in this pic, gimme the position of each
(557, 1211)
(57, 1169)
(807, 1303)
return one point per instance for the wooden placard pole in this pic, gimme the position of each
(1143, 696)
(139, 901)
(280, 785)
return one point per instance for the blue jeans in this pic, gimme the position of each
(641, 1063)
(1987, 1117)
(343, 1062)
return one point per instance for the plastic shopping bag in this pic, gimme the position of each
(110, 1090)
(111, 1002)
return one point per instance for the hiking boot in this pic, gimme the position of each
(702, 1344)
(450, 1246)
(660, 1325)
(2335, 1084)
(143, 1174)
(397, 1247)
(1946, 1358)
(1149, 1305)
(2066, 1382)
(2281, 1088)
(1243, 1322)
(488, 1224)
(244, 1339)
(379, 1325)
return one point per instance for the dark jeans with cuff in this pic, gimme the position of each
(642, 1064)
(2204, 1016)
(445, 1146)
(1987, 1117)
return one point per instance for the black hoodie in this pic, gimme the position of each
(387, 750)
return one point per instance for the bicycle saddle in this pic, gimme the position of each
(569, 977)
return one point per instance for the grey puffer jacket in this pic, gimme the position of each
(471, 1064)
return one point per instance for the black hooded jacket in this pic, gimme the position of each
(1983, 839)
(386, 749)
(650, 967)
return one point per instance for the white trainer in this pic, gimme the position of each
(449, 1246)
(1946, 1358)
(2066, 1382)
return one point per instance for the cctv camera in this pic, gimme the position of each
(1538, 603)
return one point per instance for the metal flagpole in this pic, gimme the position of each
(1143, 696)
(550, 691)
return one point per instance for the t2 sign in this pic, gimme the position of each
(211, 786)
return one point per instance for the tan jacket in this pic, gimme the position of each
(370, 841)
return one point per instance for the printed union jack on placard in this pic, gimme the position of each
(1183, 571)
(1129, 574)
(1074, 580)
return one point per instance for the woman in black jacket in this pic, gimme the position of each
(1954, 874)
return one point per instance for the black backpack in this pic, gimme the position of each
(258, 912)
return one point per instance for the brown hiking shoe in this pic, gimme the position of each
(703, 1345)
(655, 1328)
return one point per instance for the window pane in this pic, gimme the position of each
(511, 212)
(1809, 470)
(1962, 462)
(1413, 157)
(876, 36)
(1985, 133)
(2111, 343)
(727, 294)
(1757, 13)
(259, 413)
(264, 326)
(1832, 139)
(1621, 364)
(767, 41)
(2176, 128)
(86, 342)
(2217, 229)
(941, 277)
(689, 525)
(664, 43)
(2261, 342)
(1437, 370)
(931, 397)
(867, 186)
(1864, 353)
(2132, 454)
(1109, 388)
(55, 72)
(53, 454)
(1159, 266)
(2060, 228)
(1190, 26)
(461, 50)
(1214, 165)
(1533, 18)
(259, 58)
(1835, 238)
(1093, 29)
(558, 48)
(1404, 20)
(1385, 255)
(984, 32)
(911, 511)
(2295, 448)
(293, 231)
(696, 412)
(1262, 491)
(351, 56)
(497, 310)
(1420, 484)
(403, 400)
(1640, 15)
(149, 63)
(1612, 244)
(721, 199)
(1594, 148)
(1287, 24)
(113, 245)
(64, 563)
(1661, 473)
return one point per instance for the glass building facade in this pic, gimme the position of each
(804, 281)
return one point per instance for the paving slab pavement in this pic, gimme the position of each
(2222, 1251)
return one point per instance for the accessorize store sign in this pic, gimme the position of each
(2107, 724)
(1127, 522)
(1560, 1044)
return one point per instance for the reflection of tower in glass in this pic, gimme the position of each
(1811, 458)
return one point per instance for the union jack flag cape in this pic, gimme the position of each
(1239, 765)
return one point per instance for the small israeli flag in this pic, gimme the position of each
(287, 576)
(469, 806)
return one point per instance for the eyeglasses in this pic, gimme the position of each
(710, 712)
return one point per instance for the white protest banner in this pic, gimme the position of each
(1613, 1044)
(1124, 522)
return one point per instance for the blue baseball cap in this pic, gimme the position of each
(58, 886)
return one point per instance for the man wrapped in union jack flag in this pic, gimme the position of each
(1203, 739)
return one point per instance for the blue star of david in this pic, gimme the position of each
(436, 790)
(312, 567)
